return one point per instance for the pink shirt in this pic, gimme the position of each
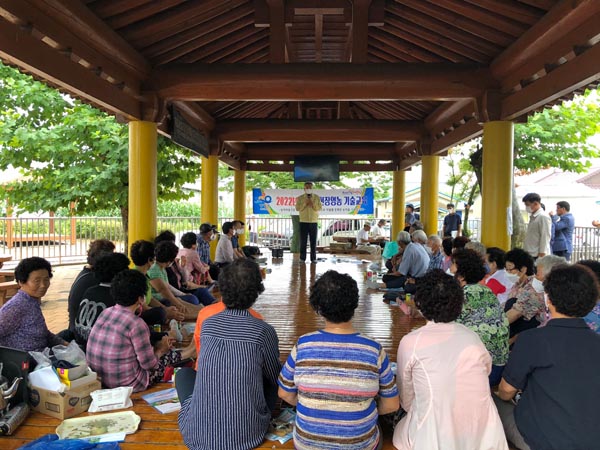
(443, 381)
(193, 266)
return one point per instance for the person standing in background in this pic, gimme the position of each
(308, 206)
(539, 229)
(452, 222)
(563, 224)
(409, 216)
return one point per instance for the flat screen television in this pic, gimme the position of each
(316, 168)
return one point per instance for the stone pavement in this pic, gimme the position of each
(54, 304)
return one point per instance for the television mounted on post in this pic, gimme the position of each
(316, 168)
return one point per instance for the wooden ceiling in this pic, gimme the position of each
(378, 83)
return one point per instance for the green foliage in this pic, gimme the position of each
(67, 151)
(558, 136)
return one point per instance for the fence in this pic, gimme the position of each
(64, 240)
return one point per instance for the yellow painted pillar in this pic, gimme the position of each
(142, 181)
(239, 200)
(429, 193)
(398, 203)
(210, 195)
(497, 183)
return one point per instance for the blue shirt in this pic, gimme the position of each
(563, 232)
(203, 250)
(557, 368)
(436, 261)
(415, 261)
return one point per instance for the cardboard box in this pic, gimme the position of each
(63, 405)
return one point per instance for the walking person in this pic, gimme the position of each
(308, 206)
(563, 224)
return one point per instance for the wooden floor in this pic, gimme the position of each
(284, 304)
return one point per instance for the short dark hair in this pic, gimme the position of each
(237, 222)
(240, 283)
(206, 228)
(520, 258)
(450, 205)
(411, 206)
(226, 227)
(98, 247)
(460, 241)
(439, 297)
(166, 251)
(128, 286)
(469, 265)
(563, 204)
(109, 265)
(334, 296)
(163, 236)
(188, 239)
(573, 290)
(593, 265)
(532, 197)
(28, 265)
(447, 244)
(141, 252)
(496, 255)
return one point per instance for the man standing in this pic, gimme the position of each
(409, 216)
(564, 223)
(539, 229)
(308, 206)
(452, 222)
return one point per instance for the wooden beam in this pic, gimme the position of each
(360, 31)
(318, 131)
(470, 130)
(449, 114)
(565, 17)
(197, 115)
(318, 38)
(563, 80)
(82, 22)
(288, 82)
(287, 167)
(407, 163)
(276, 31)
(21, 49)
(344, 151)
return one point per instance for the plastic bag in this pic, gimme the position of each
(71, 353)
(42, 359)
(51, 442)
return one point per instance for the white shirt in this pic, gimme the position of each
(443, 381)
(224, 251)
(539, 233)
(362, 237)
(377, 232)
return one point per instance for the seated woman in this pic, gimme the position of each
(497, 280)
(22, 324)
(339, 379)
(481, 311)
(525, 307)
(190, 261)
(443, 377)
(118, 347)
(228, 405)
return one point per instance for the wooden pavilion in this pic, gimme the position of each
(381, 84)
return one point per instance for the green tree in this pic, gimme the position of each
(68, 151)
(555, 137)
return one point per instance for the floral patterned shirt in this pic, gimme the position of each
(483, 314)
(529, 303)
(593, 318)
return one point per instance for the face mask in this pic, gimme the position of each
(213, 237)
(512, 277)
(240, 231)
(528, 209)
(538, 286)
(308, 191)
(449, 272)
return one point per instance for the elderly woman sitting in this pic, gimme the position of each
(481, 311)
(228, 405)
(339, 379)
(22, 324)
(525, 306)
(443, 377)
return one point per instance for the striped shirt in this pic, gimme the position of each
(238, 366)
(337, 377)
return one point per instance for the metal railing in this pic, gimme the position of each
(64, 240)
